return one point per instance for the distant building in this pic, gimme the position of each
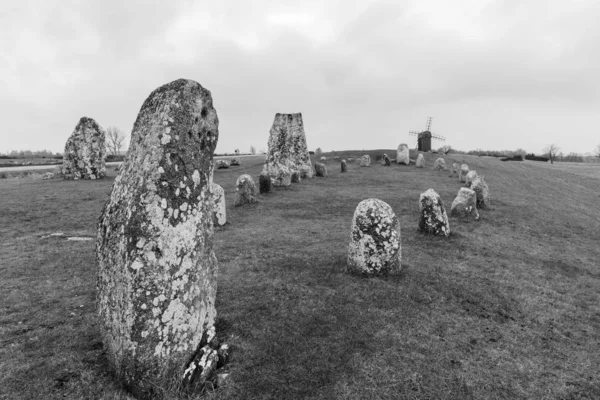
(424, 141)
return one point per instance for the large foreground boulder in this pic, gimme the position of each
(157, 275)
(375, 246)
(219, 208)
(420, 163)
(433, 218)
(85, 151)
(320, 170)
(481, 191)
(471, 175)
(245, 191)
(465, 204)
(462, 173)
(439, 165)
(365, 161)
(402, 154)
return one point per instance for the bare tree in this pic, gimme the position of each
(252, 150)
(552, 150)
(115, 139)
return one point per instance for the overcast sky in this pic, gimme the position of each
(492, 74)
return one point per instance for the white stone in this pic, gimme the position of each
(402, 154)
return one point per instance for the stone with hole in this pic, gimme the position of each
(320, 170)
(420, 163)
(365, 161)
(433, 218)
(85, 151)
(344, 166)
(482, 192)
(439, 165)
(402, 154)
(465, 204)
(157, 273)
(375, 246)
(245, 191)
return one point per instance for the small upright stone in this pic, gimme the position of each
(420, 163)
(245, 191)
(455, 169)
(465, 204)
(462, 174)
(320, 170)
(295, 178)
(433, 218)
(234, 162)
(385, 160)
(470, 177)
(264, 183)
(222, 164)
(306, 171)
(280, 174)
(481, 191)
(219, 208)
(439, 164)
(365, 161)
(85, 151)
(344, 166)
(375, 246)
(402, 154)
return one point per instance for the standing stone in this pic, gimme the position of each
(219, 208)
(420, 163)
(234, 162)
(245, 191)
(320, 170)
(465, 204)
(471, 175)
(375, 246)
(365, 161)
(157, 270)
(281, 175)
(481, 191)
(433, 218)
(462, 173)
(455, 169)
(344, 166)
(385, 160)
(264, 183)
(295, 178)
(306, 171)
(287, 147)
(222, 164)
(85, 151)
(402, 155)
(439, 164)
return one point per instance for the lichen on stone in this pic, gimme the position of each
(462, 173)
(365, 161)
(433, 218)
(439, 165)
(219, 206)
(482, 192)
(402, 154)
(465, 204)
(245, 191)
(85, 151)
(469, 177)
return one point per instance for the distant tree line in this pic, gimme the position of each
(31, 154)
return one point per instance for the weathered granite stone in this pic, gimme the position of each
(439, 165)
(219, 208)
(157, 270)
(264, 183)
(465, 204)
(455, 168)
(481, 191)
(433, 218)
(295, 178)
(234, 161)
(420, 163)
(245, 191)
(222, 164)
(281, 175)
(85, 151)
(471, 175)
(320, 170)
(306, 171)
(365, 161)
(344, 166)
(375, 246)
(402, 154)
(462, 173)
(385, 160)
(287, 147)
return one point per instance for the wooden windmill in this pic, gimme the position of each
(424, 138)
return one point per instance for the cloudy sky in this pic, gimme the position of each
(493, 74)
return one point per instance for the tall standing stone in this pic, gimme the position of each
(375, 246)
(157, 270)
(85, 151)
(344, 166)
(287, 147)
(402, 154)
(420, 163)
(219, 207)
(433, 217)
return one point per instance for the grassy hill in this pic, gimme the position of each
(506, 307)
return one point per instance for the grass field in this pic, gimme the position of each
(507, 307)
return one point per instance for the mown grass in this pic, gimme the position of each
(506, 307)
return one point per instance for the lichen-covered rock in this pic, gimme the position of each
(344, 166)
(375, 246)
(455, 168)
(439, 165)
(85, 151)
(219, 208)
(245, 191)
(306, 171)
(234, 161)
(264, 183)
(385, 160)
(320, 170)
(287, 147)
(365, 161)
(222, 164)
(471, 175)
(481, 191)
(402, 154)
(465, 204)
(420, 163)
(462, 173)
(281, 175)
(157, 270)
(433, 217)
(295, 178)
